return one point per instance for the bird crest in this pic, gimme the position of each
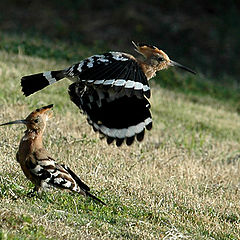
(40, 112)
(148, 50)
(156, 58)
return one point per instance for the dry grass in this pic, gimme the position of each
(181, 182)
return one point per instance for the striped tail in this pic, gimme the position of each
(95, 198)
(33, 83)
(81, 184)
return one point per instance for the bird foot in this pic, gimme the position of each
(32, 193)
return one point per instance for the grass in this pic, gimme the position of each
(181, 182)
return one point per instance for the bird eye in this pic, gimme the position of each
(36, 120)
(160, 59)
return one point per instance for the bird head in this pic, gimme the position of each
(36, 120)
(157, 58)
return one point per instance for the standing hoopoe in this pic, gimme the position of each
(111, 89)
(35, 161)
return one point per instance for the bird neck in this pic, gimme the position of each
(30, 143)
(148, 69)
(33, 138)
(148, 66)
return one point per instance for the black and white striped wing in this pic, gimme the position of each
(119, 71)
(115, 117)
(47, 173)
(111, 89)
(76, 178)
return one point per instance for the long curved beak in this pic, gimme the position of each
(15, 122)
(172, 63)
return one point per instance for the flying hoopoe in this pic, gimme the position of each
(37, 165)
(111, 89)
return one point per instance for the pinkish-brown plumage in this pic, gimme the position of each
(42, 170)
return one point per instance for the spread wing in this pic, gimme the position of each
(115, 117)
(111, 70)
(112, 91)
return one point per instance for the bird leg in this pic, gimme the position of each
(33, 192)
